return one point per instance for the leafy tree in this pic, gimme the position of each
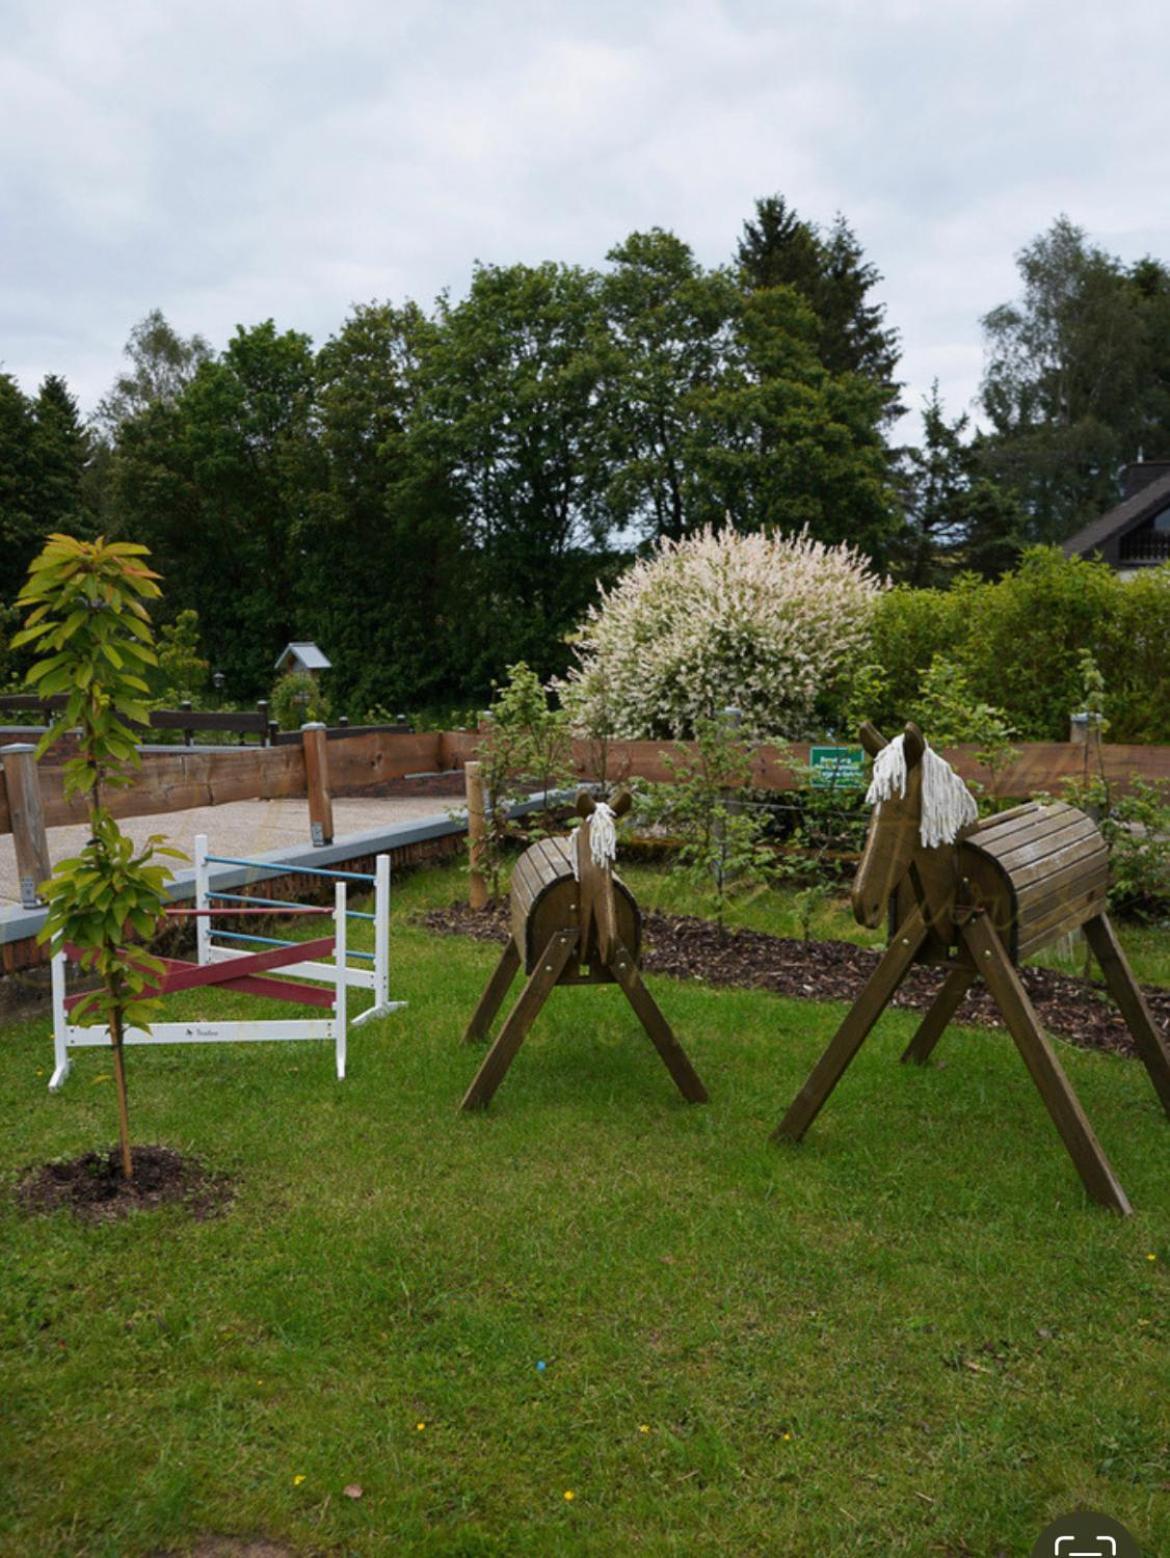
(389, 503)
(182, 669)
(162, 364)
(297, 699)
(719, 409)
(60, 453)
(18, 514)
(508, 412)
(225, 484)
(92, 631)
(830, 272)
(671, 327)
(1067, 377)
(953, 515)
(788, 447)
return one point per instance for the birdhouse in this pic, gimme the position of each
(302, 656)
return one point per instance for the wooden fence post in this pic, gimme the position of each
(316, 749)
(188, 734)
(27, 815)
(477, 893)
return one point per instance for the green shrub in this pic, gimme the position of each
(1025, 634)
(297, 700)
(1019, 642)
(1136, 661)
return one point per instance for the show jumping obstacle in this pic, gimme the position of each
(573, 922)
(232, 968)
(976, 898)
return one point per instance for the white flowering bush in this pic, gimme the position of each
(764, 623)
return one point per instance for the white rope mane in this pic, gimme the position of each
(602, 837)
(947, 804)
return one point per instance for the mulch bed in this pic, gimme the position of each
(93, 1189)
(689, 948)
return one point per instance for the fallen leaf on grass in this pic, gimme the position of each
(352, 1490)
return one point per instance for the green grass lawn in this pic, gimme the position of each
(911, 1334)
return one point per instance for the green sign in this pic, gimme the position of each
(837, 768)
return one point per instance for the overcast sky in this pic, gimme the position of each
(228, 162)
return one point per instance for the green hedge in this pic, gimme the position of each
(1019, 642)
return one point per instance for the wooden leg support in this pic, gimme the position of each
(674, 1057)
(536, 991)
(946, 1003)
(850, 1036)
(1124, 988)
(1062, 1103)
(493, 997)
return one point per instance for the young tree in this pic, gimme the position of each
(92, 630)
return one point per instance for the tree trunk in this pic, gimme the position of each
(120, 1087)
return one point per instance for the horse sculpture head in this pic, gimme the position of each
(920, 805)
(596, 847)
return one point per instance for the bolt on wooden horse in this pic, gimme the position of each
(573, 922)
(976, 897)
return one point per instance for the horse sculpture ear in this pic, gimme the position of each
(914, 745)
(871, 738)
(621, 805)
(586, 805)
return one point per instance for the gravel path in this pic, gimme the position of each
(242, 828)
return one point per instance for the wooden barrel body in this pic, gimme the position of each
(544, 901)
(1039, 871)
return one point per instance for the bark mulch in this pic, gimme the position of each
(689, 948)
(93, 1189)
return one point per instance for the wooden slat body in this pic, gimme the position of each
(545, 898)
(1038, 871)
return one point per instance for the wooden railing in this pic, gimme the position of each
(238, 722)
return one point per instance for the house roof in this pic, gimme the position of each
(306, 655)
(1125, 516)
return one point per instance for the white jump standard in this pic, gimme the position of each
(245, 971)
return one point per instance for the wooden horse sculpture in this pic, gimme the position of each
(976, 897)
(573, 922)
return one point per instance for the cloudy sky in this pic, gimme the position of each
(228, 162)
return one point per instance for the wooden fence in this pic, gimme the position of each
(327, 763)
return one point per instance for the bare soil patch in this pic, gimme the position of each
(93, 1189)
(689, 948)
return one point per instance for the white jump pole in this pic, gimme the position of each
(60, 1047)
(382, 930)
(202, 923)
(341, 986)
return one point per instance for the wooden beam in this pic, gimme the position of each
(1034, 1045)
(661, 1035)
(316, 750)
(937, 1019)
(1147, 1036)
(493, 997)
(850, 1036)
(537, 989)
(26, 816)
(477, 893)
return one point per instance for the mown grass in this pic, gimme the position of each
(912, 1334)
